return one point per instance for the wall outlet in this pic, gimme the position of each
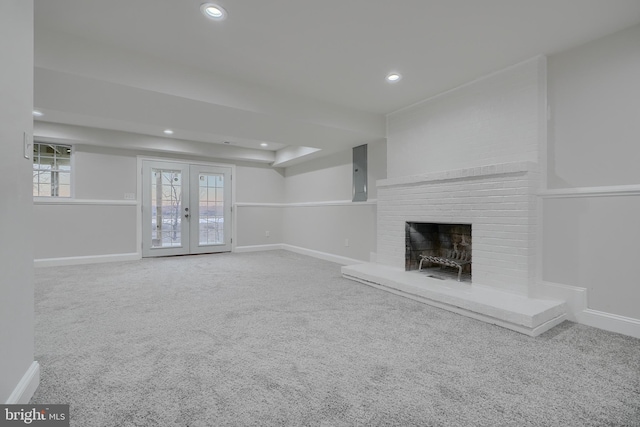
(129, 196)
(346, 242)
(267, 234)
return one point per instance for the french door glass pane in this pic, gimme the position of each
(166, 208)
(211, 209)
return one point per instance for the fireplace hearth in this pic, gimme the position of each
(499, 201)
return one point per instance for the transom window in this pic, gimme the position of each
(51, 170)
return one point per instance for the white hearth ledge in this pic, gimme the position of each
(460, 174)
(517, 312)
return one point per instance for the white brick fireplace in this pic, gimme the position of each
(500, 203)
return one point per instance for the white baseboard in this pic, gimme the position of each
(575, 298)
(322, 255)
(257, 248)
(299, 250)
(26, 387)
(610, 322)
(90, 259)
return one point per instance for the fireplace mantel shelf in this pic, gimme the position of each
(517, 312)
(460, 174)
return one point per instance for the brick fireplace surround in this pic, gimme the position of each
(501, 204)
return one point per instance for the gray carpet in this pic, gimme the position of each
(280, 339)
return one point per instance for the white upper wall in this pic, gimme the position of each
(325, 179)
(102, 173)
(330, 178)
(259, 184)
(594, 93)
(487, 121)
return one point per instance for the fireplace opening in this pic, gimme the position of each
(442, 251)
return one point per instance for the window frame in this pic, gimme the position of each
(71, 171)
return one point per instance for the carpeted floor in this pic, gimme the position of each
(280, 339)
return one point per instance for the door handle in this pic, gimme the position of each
(186, 215)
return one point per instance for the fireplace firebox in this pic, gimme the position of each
(441, 250)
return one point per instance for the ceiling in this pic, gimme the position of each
(287, 72)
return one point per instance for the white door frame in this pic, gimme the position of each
(140, 159)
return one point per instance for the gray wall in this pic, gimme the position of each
(83, 229)
(16, 259)
(325, 228)
(590, 239)
(306, 205)
(96, 222)
(319, 214)
(260, 192)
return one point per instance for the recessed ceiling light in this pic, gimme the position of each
(264, 144)
(168, 131)
(213, 11)
(393, 77)
(37, 113)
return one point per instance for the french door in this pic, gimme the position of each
(186, 208)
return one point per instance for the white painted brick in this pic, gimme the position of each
(501, 208)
